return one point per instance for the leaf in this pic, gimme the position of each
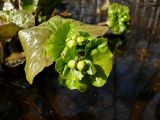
(8, 30)
(15, 59)
(22, 18)
(4, 17)
(75, 75)
(11, 22)
(56, 42)
(29, 5)
(103, 57)
(100, 77)
(72, 77)
(72, 84)
(119, 18)
(91, 69)
(99, 82)
(6, 5)
(73, 81)
(61, 62)
(33, 41)
(61, 67)
(93, 44)
(94, 30)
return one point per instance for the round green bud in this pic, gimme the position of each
(72, 64)
(80, 40)
(80, 65)
(71, 43)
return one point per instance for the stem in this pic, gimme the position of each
(2, 55)
(18, 4)
(108, 3)
(105, 5)
(37, 12)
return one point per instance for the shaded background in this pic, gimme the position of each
(133, 88)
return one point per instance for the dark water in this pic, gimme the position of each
(133, 88)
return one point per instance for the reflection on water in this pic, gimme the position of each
(132, 91)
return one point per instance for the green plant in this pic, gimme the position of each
(81, 55)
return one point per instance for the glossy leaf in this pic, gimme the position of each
(12, 21)
(22, 18)
(33, 41)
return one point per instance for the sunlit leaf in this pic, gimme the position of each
(33, 41)
(103, 57)
(12, 21)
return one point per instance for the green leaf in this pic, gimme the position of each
(94, 43)
(62, 68)
(118, 18)
(33, 41)
(99, 82)
(69, 53)
(103, 57)
(76, 85)
(100, 77)
(29, 5)
(93, 30)
(91, 69)
(75, 75)
(74, 81)
(56, 42)
(61, 62)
